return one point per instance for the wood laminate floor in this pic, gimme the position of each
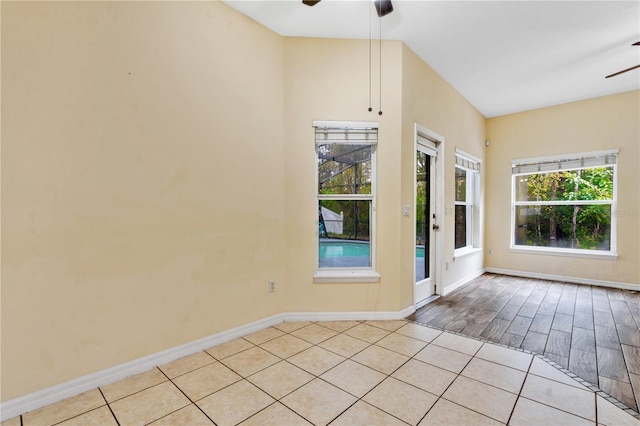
(591, 331)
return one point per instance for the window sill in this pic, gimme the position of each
(566, 252)
(346, 276)
(465, 252)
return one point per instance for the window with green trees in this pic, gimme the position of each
(346, 191)
(566, 203)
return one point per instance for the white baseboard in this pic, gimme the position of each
(456, 285)
(575, 280)
(53, 394)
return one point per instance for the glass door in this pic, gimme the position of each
(425, 222)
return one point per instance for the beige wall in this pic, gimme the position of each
(142, 182)
(328, 79)
(431, 102)
(595, 124)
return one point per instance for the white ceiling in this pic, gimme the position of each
(502, 56)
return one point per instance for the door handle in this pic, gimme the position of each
(435, 227)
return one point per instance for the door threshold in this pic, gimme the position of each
(426, 301)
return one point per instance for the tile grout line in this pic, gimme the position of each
(109, 406)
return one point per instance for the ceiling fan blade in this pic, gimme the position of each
(310, 2)
(623, 71)
(637, 43)
(383, 7)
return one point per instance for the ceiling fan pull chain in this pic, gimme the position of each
(370, 109)
(380, 66)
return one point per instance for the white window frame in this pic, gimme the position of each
(351, 274)
(471, 165)
(574, 161)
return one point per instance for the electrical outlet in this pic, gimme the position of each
(490, 252)
(272, 286)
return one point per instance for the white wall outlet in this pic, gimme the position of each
(272, 286)
(406, 209)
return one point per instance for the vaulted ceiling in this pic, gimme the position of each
(502, 56)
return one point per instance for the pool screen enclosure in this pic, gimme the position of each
(345, 194)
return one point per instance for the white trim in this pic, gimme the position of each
(590, 254)
(350, 316)
(338, 275)
(468, 156)
(345, 124)
(420, 131)
(463, 252)
(426, 301)
(563, 278)
(53, 394)
(456, 285)
(589, 154)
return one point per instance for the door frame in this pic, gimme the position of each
(438, 243)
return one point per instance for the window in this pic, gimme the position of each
(466, 178)
(346, 194)
(565, 204)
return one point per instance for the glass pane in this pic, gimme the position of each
(461, 184)
(584, 184)
(580, 227)
(423, 171)
(344, 169)
(461, 226)
(344, 233)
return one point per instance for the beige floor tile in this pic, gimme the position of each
(444, 358)
(367, 333)
(505, 356)
(149, 405)
(610, 415)
(186, 364)
(99, 417)
(402, 344)
(318, 401)
(316, 360)
(133, 384)
(425, 376)
(401, 399)
(190, 415)
(344, 345)
(263, 335)
(275, 415)
(421, 332)
(353, 377)
(280, 379)
(206, 380)
(250, 361)
(14, 421)
(314, 333)
(65, 409)
(564, 397)
(497, 375)
(380, 359)
(543, 369)
(288, 327)
(285, 346)
(446, 413)
(229, 348)
(235, 403)
(390, 325)
(339, 326)
(482, 398)
(457, 343)
(362, 413)
(532, 413)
